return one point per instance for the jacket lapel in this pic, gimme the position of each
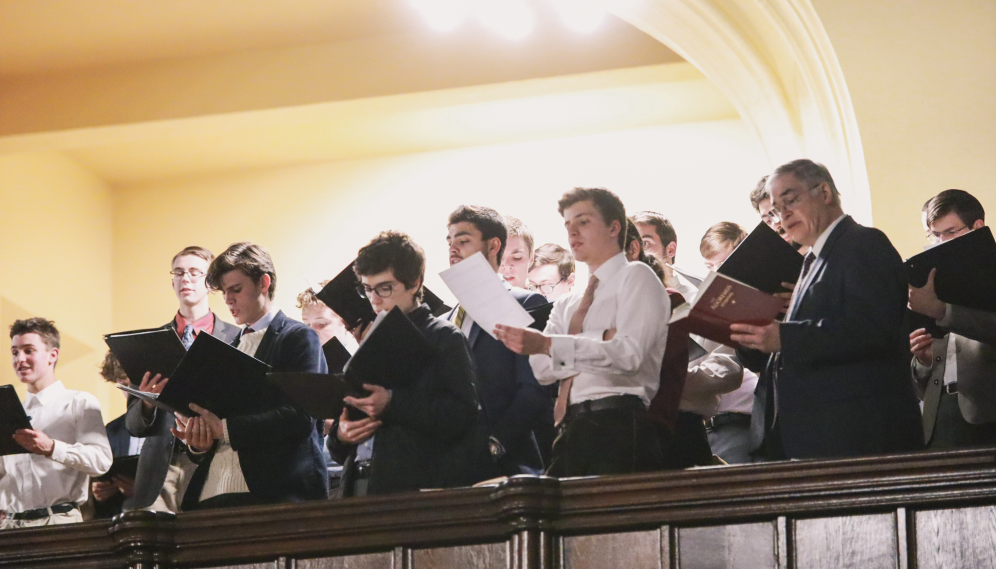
(818, 264)
(267, 344)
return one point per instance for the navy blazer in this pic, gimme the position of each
(279, 446)
(842, 377)
(120, 440)
(514, 403)
(157, 452)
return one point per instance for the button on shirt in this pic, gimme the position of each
(629, 298)
(72, 419)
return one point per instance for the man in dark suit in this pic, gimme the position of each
(955, 374)
(162, 468)
(514, 402)
(837, 383)
(429, 433)
(270, 452)
(110, 496)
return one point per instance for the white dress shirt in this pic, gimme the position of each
(629, 298)
(709, 377)
(72, 419)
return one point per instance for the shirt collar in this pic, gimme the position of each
(822, 240)
(611, 267)
(47, 395)
(264, 322)
(203, 323)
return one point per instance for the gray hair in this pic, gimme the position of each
(810, 173)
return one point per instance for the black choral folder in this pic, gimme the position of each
(126, 466)
(12, 418)
(216, 376)
(319, 394)
(764, 261)
(342, 296)
(436, 304)
(392, 355)
(540, 314)
(336, 355)
(157, 350)
(966, 270)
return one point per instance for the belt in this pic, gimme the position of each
(40, 513)
(613, 402)
(951, 388)
(724, 419)
(362, 468)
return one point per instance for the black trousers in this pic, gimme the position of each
(690, 445)
(613, 441)
(951, 430)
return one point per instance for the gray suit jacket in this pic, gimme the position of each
(974, 334)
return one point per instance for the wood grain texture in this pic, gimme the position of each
(633, 550)
(384, 560)
(942, 538)
(484, 556)
(859, 542)
(741, 546)
(269, 565)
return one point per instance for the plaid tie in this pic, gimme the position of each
(575, 327)
(188, 336)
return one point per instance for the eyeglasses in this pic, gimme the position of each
(194, 274)
(769, 217)
(938, 236)
(544, 289)
(383, 290)
(790, 204)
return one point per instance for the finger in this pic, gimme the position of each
(930, 277)
(197, 408)
(373, 387)
(790, 286)
(145, 381)
(161, 385)
(344, 416)
(745, 328)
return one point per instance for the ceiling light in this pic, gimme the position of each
(444, 15)
(581, 15)
(510, 18)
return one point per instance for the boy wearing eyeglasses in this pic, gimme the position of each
(161, 471)
(428, 434)
(552, 271)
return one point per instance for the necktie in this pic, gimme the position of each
(807, 264)
(460, 315)
(577, 322)
(188, 336)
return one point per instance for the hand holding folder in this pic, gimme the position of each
(12, 418)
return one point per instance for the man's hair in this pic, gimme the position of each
(609, 206)
(960, 202)
(44, 328)
(633, 235)
(810, 173)
(553, 254)
(720, 237)
(249, 258)
(486, 220)
(309, 298)
(196, 251)
(111, 369)
(516, 228)
(662, 226)
(396, 251)
(759, 193)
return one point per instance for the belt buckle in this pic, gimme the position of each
(951, 388)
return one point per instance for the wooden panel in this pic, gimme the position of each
(269, 565)
(746, 546)
(865, 542)
(956, 538)
(633, 550)
(485, 556)
(366, 561)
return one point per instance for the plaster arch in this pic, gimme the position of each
(773, 60)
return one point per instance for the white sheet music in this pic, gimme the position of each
(480, 292)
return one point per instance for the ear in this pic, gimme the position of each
(827, 193)
(53, 355)
(570, 279)
(264, 284)
(671, 250)
(979, 224)
(494, 245)
(614, 228)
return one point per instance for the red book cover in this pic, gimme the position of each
(722, 301)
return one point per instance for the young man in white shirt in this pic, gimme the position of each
(605, 344)
(67, 442)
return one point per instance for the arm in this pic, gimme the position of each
(135, 421)
(541, 364)
(91, 453)
(978, 325)
(442, 404)
(860, 325)
(642, 312)
(715, 374)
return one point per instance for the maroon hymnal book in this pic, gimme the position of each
(721, 301)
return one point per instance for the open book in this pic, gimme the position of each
(722, 301)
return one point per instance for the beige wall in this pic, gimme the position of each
(922, 77)
(55, 254)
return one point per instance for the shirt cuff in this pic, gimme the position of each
(946, 321)
(921, 371)
(58, 451)
(224, 431)
(561, 352)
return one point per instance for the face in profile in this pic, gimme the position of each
(591, 239)
(713, 263)
(803, 210)
(245, 298)
(321, 319)
(651, 241)
(190, 286)
(546, 280)
(385, 292)
(771, 219)
(515, 262)
(32, 358)
(465, 239)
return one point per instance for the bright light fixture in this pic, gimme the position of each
(510, 18)
(581, 15)
(444, 15)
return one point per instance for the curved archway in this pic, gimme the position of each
(774, 61)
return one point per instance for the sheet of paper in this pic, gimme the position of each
(481, 293)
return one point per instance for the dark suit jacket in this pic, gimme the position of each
(279, 445)
(432, 435)
(841, 381)
(120, 439)
(514, 402)
(157, 452)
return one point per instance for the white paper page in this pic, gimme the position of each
(480, 292)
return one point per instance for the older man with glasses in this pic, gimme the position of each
(837, 381)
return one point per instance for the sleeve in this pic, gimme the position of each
(135, 420)
(442, 404)
(715, 374)
(642, 311)
(866, 315)
(542, 364)
(302, 352)
(339, 450)
(90, 452)
(978, 325)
